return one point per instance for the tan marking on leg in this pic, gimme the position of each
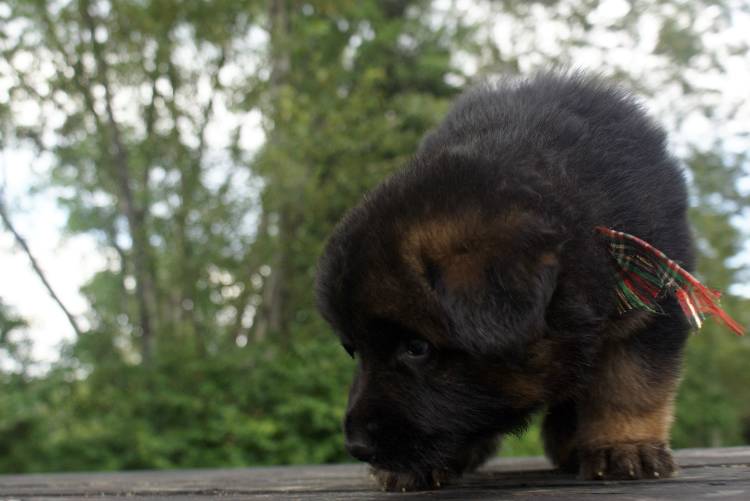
(624, 405)
(605, 427)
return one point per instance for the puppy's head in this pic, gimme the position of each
(439, 289)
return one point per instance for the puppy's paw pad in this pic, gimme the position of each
(409, 481)
(627, 462)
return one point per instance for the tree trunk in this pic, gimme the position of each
(275, 285)
(135, 216)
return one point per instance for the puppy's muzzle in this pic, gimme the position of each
(359, 438)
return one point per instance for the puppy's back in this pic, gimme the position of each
(595, 144)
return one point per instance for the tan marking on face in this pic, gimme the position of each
(389, 294)
(459, 245)
(464, 271)
(548, 259)
(439, 238)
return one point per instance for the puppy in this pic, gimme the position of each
(473, 290)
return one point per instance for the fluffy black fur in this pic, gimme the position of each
(473, 290)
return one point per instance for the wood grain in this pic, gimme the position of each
(705, 474)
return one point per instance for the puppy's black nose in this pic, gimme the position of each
(360, 449)
(360, 436)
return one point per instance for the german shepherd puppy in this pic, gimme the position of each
(473, 290)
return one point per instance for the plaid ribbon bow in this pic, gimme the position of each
(645, 274)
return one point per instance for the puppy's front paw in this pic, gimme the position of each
(628, 461)
(411, 481)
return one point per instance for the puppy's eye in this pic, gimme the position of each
(416, 348)
(350, 350)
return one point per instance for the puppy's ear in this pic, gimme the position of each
(494, 280)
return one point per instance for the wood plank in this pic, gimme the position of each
(706, 474)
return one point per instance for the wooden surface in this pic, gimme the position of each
(722, 474)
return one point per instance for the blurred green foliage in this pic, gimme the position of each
(202, 346)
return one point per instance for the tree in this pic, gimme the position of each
(126, 114)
